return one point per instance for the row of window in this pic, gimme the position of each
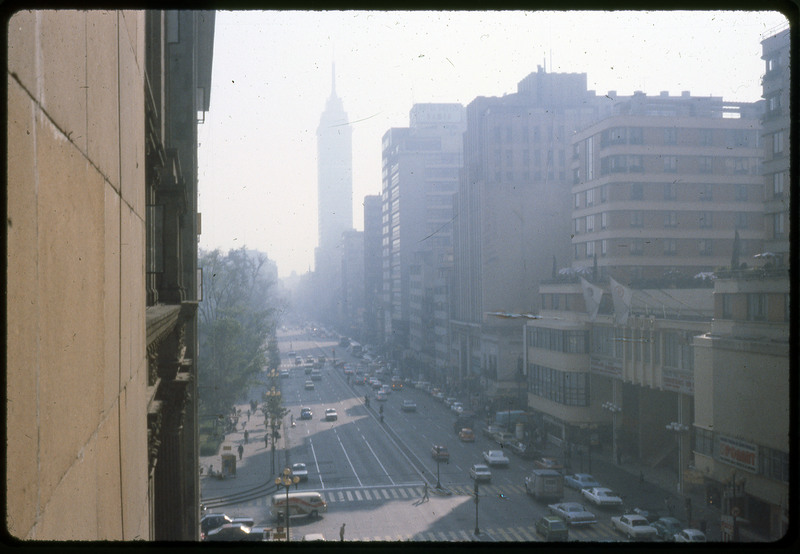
(730, 138)
(505, 134)
(565, 387)
(704, 220)
(627, 163)
(758, 306)
(669, 191)
(637, 345)
(635, 247)
(557, 340)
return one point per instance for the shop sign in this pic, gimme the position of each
(738, 453)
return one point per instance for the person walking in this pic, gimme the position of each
(241, 451)
(341, 532)
(246, 436)
(425, 497)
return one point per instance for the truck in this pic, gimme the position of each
(545, 484)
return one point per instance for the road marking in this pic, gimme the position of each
(360, 484)
(316, 462)
(376, 459)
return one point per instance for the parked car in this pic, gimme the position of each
(690, 535)
(439, 452)
(306, 413)
(409, 406)
(650, 514)
(602, 496)
(574, 513)
(634, 527)
(238, 532)
(331, 415)
(581, 481)
(667, 527)
(495, 458)
(299, 469)
(552, 528)
(380, 395)
(480, 472)
(548, 463)
(466, 435)
(309, 385)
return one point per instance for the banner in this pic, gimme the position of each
(622, 301)
(591, 297)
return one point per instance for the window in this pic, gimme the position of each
(589, 159)
(590, 249)
(706, 194)
(741, 220)
(670, 164)
(670, 247)
(603, 247)
(704, 442)
(671, 219)
(637, 219)
(774, 103)
(777, 143)
(589, 223)
(706, 164)
(670, 135)
(637, 191)
(756, 307)
(670, 192)
(526, 158)
(604, 193)
(777, 184)
(778, 226)
(727, 306)
(705, 220)
(635, 135)
(590, 197)
(704, 247)
(556, 301)
(577, 196)
(741, 193)
(637, 247)
(604, 220)
(706, 137)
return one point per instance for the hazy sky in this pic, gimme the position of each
(272, 75)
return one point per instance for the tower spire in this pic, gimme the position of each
(333, 78)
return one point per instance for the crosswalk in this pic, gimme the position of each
(600, 531)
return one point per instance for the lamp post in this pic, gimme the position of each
(272, 414)
(286, 480)
(679, 428)
(614, 409)
(477, 529)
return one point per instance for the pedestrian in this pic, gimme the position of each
(341, 532)
(425, 494)
(246, 436)
(266, 440)
(241, 451)
(248, 415)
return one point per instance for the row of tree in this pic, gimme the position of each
(236, 328)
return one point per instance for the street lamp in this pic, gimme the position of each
(286, 480)
(477, 529)
(272, 413)
(614, 409)
(678, 429)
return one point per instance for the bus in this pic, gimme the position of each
(304, 503)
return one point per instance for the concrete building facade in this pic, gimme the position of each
(102, 273)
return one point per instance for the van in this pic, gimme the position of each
(305, 503)
(545, 484)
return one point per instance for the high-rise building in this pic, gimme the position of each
(420, 174)
(512, 197)
(666, 184)
(101, 417)
(372, 322)
(335, 200)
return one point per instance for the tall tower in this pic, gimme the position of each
(334, 171)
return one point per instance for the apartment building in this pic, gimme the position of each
(666, 184)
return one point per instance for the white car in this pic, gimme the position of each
(602, 496)
(480, 472)
(457, 407)
(634, 527)
(690, 535)
(495, 458)
(299, 469)
(331, 415)
(574, 513)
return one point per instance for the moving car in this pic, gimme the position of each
(667, 527)
(650, 514)
(457, 407)
(466, 435)
(690, 535)
(495, 458)
(552, 528)
(480, 472)
(212, 521)
(309, 385)
(331, 415)
(634, 527)
(574, 513)
(316, 375)
(299, 469)
(581, 481)
(409, 406)
(602, 496)
(306, 413)
(548, 463)
(439, 452)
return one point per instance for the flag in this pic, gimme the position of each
(621, 296)
(591, 297)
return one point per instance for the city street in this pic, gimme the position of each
(373, 474)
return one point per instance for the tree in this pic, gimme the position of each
(237, 316)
